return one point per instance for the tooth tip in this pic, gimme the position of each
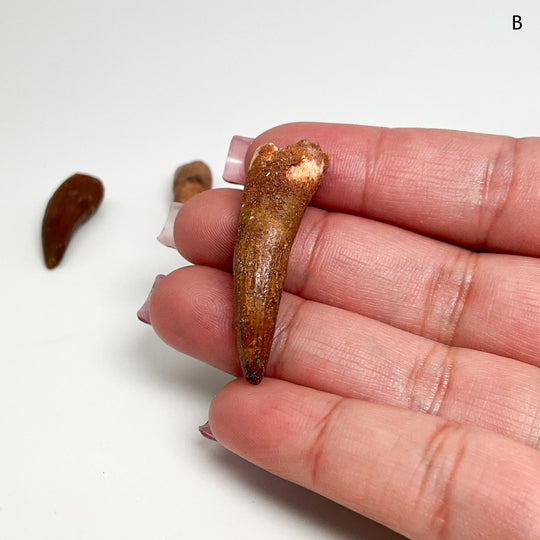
(51, 261)
(254, 376)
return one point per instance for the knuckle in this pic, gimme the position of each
(447, 294)
(496, 188)
(318, 451)
(437, 474)
(430, 379)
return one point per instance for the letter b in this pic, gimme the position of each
(516, 22)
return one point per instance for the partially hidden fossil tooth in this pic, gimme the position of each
(190, 179)
(71, 205)
(279, 186)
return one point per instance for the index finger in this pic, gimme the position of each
(479, 191)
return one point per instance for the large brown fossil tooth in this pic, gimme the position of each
(279, 186)
(71, 205)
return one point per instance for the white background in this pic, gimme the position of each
(98, 418)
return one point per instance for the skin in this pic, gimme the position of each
(404, 377)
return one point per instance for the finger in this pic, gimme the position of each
(445, 293)
(346, 354)
(422, 476)
(476, 190)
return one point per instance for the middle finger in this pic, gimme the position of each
(430, 288)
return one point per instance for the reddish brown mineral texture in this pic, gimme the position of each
(191, 179)
(279, 187)
(71, 205)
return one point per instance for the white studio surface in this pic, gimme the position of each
(98, 418)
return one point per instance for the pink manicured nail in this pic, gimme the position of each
(166, 236)
(144, 313)
(234, 171)
(205, 431)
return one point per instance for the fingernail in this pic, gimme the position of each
(166, 236)
(144, 313)
(205, 431)
(234, 171)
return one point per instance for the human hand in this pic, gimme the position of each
(404, 379)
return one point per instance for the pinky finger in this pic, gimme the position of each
(423, 476)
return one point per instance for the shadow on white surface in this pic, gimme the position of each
(331, 518)
(171, 369)
(196, 381)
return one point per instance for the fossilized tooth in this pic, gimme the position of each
(71, 205)
(190, 179)
(279, 186)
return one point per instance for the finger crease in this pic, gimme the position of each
(310, 268)
(318, 448)
(442, 457)
(425, 395)
(490, 212)
(462, 297)
(445, 371)
(371, 166)
(282, 341)
(446, 297)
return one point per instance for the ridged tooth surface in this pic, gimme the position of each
(279, 186)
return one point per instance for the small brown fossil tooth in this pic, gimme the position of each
(190, 179)
(279, 186)
(71, 205)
